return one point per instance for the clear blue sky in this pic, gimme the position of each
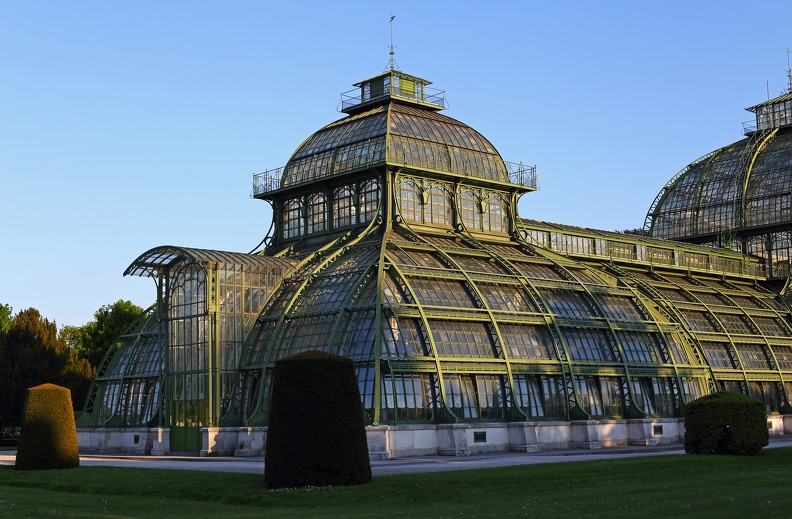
(129, 125)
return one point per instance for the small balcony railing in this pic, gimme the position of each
(270, 180)
(749, 127)
(521, 174)
(430, 96)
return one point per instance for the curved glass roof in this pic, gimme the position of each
(452, 329)
(166, 257)
(745, 185)
(398, 134)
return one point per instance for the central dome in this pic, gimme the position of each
(395, 129)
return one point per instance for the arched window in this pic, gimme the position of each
(343, 206)
(317, 213)
(495, 216)
(438, 210)
(369, 200)
(409, 200)
(293, 221)
(470, 210)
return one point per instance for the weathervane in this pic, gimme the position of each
(392, 63)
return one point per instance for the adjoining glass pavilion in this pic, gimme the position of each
(737, 196)
(396, 242)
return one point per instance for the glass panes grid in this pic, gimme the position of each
(348, 205)
(433, 203)
(708, 198)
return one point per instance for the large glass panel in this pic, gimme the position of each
(404, 337)
(621, 307)
(641, 348)
(507, 297)
(293, 222)
(528, 395)
(439, 207)
(568, 303)
(344, 207)
(409, 194)
(470, 210)
(495, 215)
(461, 396)
(489, 389)
(414, 399)
(718, 354)
(588, 344)
(317, 213)
(369, 200)
(526, 342)
(589, 396)
(752, 356)
(461, 339)
(442, 293)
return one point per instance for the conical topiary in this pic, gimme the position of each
(48, 437)
(317, 434)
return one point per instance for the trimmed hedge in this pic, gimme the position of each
(725, 423)
(316, 434)
(48, 436)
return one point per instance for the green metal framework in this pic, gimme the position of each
(396, 242)
(737, 196)
(454, 309)
(176, 365)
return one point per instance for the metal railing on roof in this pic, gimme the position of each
(521, 174)
(271, 179)
(268, 181)
(426, 95)
(749, 127)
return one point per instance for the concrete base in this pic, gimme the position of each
(397, 441)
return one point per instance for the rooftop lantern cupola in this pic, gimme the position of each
(392, 85)
(773, 113)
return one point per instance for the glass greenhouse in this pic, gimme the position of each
(396, 242)
(737, 196)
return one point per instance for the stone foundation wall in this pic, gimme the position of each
(397, 441)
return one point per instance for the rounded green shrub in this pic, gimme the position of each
(316, 434)
(725, 423)
(48, 436)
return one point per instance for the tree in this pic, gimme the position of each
(91, 341)
(32, 353)
(5, 317)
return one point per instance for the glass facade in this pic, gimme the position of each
(176, 366)
(737, 196)
(396, 243)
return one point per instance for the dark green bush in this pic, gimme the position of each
(316, 433)
(725, 423)
(48, 437)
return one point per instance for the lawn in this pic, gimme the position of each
(661, 486)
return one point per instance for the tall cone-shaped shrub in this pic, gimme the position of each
(48, 436)
(316, 434)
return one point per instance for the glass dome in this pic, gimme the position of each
(395, 134)
(737, 196)
(745, 184)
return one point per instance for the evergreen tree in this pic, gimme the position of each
(32, 353)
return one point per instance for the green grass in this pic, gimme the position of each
(662, 486)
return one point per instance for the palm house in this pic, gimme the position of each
(396, 242)
(738, 196)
